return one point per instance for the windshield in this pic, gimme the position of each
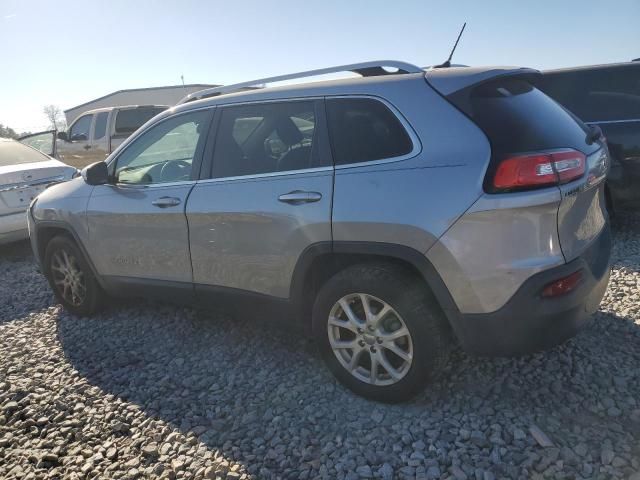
(14, 153)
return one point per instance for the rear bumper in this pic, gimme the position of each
(13, 227)
(528, 322)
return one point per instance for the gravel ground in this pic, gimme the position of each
(146, 391)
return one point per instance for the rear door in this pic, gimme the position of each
(267, 197)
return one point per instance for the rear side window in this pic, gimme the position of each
(363, 130)
(100, 127)
(597, 95)
(128, 121)
(266, 138)
(519, 118)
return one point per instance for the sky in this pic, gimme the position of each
(68, 52)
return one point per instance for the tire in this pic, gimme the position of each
(424, 352)
(63, 252)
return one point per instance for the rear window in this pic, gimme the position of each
(364, 129)
(14, 153)
(519, 118)
(598, 95)
(128, 121)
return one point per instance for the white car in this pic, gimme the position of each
(24, 173)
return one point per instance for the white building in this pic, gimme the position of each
(137, 96)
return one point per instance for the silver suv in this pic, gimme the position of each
(389, 215)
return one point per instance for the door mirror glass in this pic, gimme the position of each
(96, 174)
(62, 136)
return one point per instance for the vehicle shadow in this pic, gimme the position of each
(260, 396)
(23, 289)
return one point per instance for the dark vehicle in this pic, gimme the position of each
(607, 96)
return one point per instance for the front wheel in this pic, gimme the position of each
(70, 277)
(380, 331)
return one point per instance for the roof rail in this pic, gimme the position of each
(366, 69)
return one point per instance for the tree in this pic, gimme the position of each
(7, 132)
(55, 117)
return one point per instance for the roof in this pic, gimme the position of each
(452, 79)
(124, 107)
(602, 66)
(344, 86)
(189, 85)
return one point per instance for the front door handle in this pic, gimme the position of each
(87, 147)
(298, 197)
(164, 202)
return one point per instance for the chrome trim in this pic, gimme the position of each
(613, 121)
(284, 173)
(139, 186)
(42, 181)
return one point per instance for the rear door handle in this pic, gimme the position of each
(298, 197)
(164, 202)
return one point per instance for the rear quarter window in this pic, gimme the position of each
(128, 121)
(363, 130)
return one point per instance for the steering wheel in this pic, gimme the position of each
(175, 171)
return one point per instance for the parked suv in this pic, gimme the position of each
(388, 214)
(607, 96)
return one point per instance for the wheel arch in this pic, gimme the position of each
(49, 229)
(322, 260)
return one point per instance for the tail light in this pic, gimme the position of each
(539, 169)
(563, 286)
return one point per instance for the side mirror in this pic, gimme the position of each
(96, 173)
(62, 136)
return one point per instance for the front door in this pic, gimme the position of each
(75, 149)
(268, 197)
(137, 224)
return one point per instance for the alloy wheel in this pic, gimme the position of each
(370, 339)
(68, 277)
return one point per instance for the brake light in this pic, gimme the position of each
(563, 286)
(539, 169)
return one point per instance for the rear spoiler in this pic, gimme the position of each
(456, 84)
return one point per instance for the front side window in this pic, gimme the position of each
(80, 129)
(164, 153)
(101, 125)
(265, 138)
(364, 129)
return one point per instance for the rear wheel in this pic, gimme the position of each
(70, 277)
(380, 331)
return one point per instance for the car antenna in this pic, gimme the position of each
(447, 64)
